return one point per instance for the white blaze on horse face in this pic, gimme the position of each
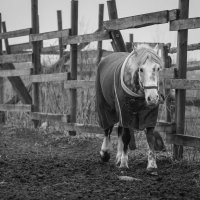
(149, 73)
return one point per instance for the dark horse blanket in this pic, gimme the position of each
(114, 104)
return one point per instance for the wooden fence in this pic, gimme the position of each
(107, 30)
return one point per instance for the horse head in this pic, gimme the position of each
(144, 65)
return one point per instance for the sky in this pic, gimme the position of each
(17, 14)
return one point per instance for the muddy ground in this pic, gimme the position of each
(41, 165)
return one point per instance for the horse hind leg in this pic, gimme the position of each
(106, 146)
(124, 138)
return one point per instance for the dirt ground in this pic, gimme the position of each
(38, 165)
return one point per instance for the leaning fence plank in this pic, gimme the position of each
(18, 33)
(138, 21)
(49, 35)
(16, 107)
(14, 72)
(182, 24)
(16, 82)
(16, 58)
(184, 140)
(117, 39)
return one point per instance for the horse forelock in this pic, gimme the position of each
(141, 55)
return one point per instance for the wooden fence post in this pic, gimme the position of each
(73, 62)
(59, 18)
(182, 70)
(2, 114)
(117, 39)
(129, 45)
(100, 26)
(166, 61)
(36, 57)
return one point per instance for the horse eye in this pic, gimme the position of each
(141, 70)
(158, 69)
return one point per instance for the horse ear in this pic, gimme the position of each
(134, 49)
(156, 49)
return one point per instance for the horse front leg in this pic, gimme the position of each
(124, 138)
(106, 146)
(151, 166)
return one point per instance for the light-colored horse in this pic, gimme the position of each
(132, 81)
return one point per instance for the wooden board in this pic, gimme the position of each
(52, 49)
(117, 39)
(190, 47)
(39, 78)
(182, 24)
(49, 116)
(17, 33)
(182, 84)
(139, 21)
(79, 84)
(14, 72)
(165, 127)
(167, 73)
(184, 140)
(17, 48)
(16, 58)
(15, 107)
(97, 36)
(49, 35)
(191, 66)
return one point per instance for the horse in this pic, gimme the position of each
(127, 94)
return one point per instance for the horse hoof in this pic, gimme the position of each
(152, 171)
(123, 166)
(105, 156)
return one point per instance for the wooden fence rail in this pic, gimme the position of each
(49, 35)
(18, 33)
(141, 20)
(183, 24)
(16, 58)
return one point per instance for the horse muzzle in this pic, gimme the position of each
(151, 95)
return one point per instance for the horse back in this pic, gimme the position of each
(106, 70)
